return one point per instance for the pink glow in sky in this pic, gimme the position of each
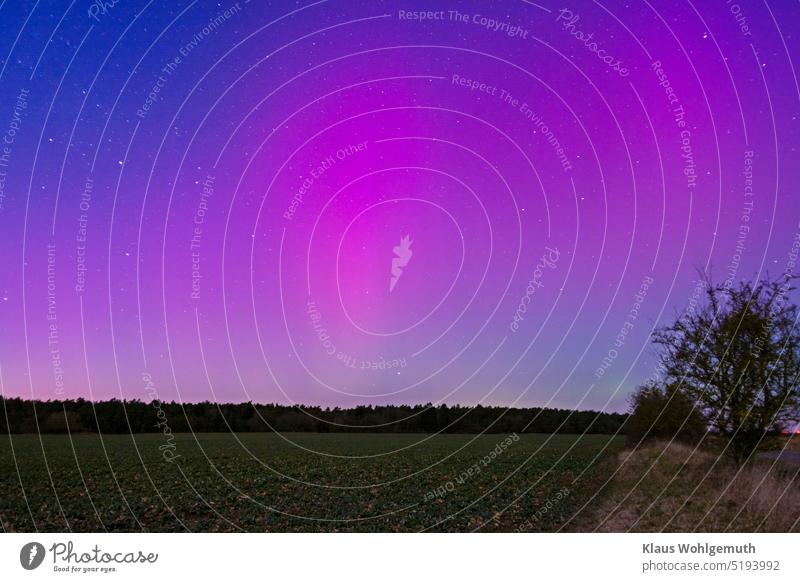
(212, 195)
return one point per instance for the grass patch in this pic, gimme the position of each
(674, 488)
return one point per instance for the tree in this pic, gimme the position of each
(663, 412)
(737, 357)
(64, 421)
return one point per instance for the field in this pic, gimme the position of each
(298, 482)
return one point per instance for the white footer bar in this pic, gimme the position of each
(400, 557)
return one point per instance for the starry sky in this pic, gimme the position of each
(345, 203)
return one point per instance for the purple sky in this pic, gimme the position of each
(214, 195)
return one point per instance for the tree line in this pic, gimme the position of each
(135, 416)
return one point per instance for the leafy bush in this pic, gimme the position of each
(663, 413)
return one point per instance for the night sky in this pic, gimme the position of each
(345, 203)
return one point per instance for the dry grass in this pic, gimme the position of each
(791, 443)
(671, 488)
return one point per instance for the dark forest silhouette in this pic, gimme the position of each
(134, 416)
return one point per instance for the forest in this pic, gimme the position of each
(135, 416)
